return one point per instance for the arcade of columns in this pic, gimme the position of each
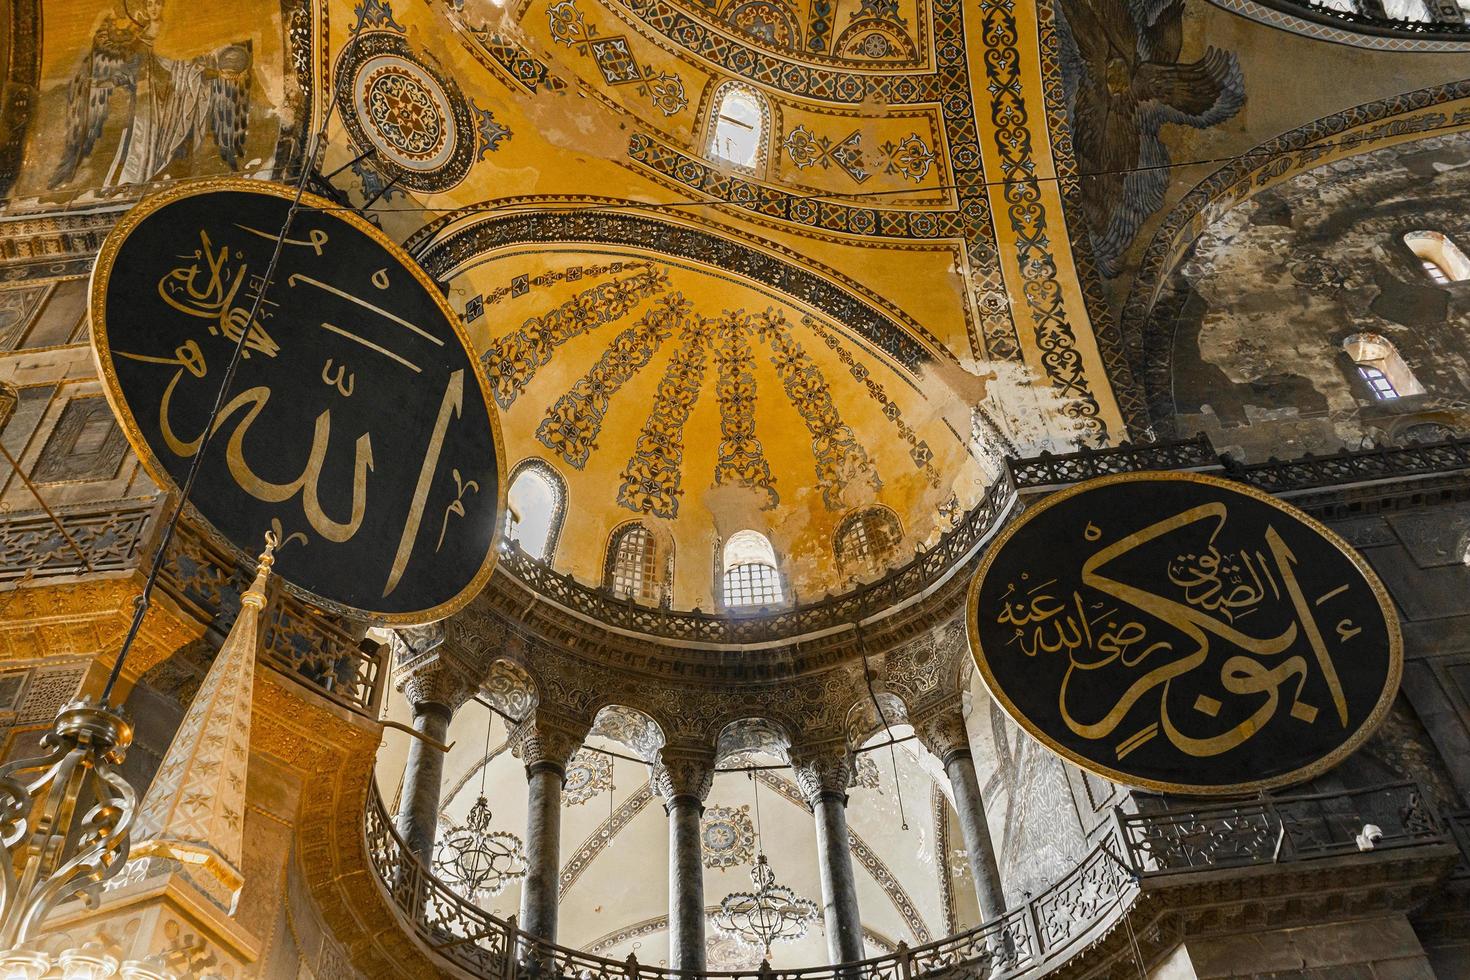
(440, 670)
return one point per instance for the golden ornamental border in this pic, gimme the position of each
(1301, 774)
(102, 354)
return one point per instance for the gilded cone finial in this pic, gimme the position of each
(254, 596)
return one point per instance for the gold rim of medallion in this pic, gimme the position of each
(102, 353)
(1349, 745)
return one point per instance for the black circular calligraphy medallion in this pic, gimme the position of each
(357, 426)
(1184, 633)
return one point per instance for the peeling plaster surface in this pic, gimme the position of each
(1260, 308)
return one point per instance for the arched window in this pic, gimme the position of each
(867, 540)
(633, 565)
(1381, 367)
(537, 501)
(1441, 258)
(751, 578)
(738, 132)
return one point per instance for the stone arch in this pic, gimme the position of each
(1339, 136)
(751, 735)
(510, 690)
(630, 727)
(870, 716)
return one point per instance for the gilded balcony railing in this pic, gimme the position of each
(1037, 935)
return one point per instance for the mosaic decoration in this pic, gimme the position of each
(822, 289)
(512, 361)
(876, 32)
(571, 426)
(741, 460)
(614, 59)
(521, 285)
(475, 861)
(919, 450)
(910, 157)
(767, 21)
(211, 91)
(728, 836)
(846, 154)
(1123, 81)
(589, 774)
(866, 772)
(840, 458)
(423, 132)
(651, 478)
(1045, 303)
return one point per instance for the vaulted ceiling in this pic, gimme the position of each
(944, 250)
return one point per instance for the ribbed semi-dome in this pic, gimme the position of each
(699, 404)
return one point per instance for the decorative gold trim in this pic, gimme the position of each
(1333, 758)
(96, 305)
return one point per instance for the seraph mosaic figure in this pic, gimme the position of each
(1123, 80)
(171, 103)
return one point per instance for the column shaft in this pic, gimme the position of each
(543, 850)
(418, 806)
(970, 808)
(686, 885)
(839, 888)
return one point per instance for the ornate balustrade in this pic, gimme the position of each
(113, 533)
(1271, 830)
(1410, 19)
(1032, 938)
(118, 536)
(955, 547)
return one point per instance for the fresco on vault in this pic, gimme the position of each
(1123, 80)
(145, 90)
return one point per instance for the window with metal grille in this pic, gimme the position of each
(1386, 374)
(867, 540)
(633, 570)
(752, 584)
(751, 578)
(1378, 382)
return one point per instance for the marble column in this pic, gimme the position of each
(944, 734)
(824, 775)
(435, 687)
(684, 779)
(545, 744)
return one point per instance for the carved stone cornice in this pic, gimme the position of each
(547, 740)
(942, 731)
(683, 772)
(822, 771)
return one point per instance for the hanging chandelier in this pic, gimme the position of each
(771, 914)
(478, 862)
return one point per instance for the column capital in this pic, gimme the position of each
(547, 740)
(430, 673)
(683, 772)
(822, 770)
(942, 731)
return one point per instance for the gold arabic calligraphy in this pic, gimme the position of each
(1215, 592)
(213, 284)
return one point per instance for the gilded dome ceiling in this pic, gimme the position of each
(703, 403)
